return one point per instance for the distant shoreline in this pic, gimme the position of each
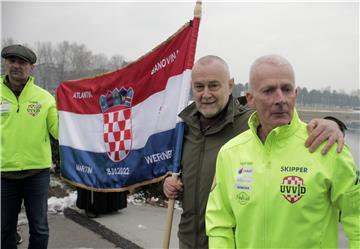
(350, 117)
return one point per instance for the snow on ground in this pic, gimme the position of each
(138, 199)
(57, 205)
(56, 182)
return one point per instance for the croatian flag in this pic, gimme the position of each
(120, 130)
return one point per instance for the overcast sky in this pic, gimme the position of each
(320, 39)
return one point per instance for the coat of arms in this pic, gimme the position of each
(116, 108)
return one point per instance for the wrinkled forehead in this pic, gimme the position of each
(267, 73)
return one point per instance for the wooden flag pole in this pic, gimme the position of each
(171, 203)
(169, 220)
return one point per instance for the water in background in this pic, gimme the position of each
(352, 138)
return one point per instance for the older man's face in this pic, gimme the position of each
(273, 94)
(18, 69)
(211, 87)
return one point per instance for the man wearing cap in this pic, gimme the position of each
(28, 114)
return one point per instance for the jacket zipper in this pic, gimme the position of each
(18, 104)
(197, 219)
(267, 237)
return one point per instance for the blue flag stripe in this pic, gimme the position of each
(97, 171)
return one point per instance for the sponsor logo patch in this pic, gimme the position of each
(292, 188)
(33, 109)
(244, 179)
(243, 198)
(4, 106)
(245, 170)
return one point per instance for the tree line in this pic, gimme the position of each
(70, 60)
(67, 61)
(316, 98)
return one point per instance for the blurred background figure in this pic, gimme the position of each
(95, 203)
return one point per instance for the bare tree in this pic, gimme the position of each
(62, 59)
(116, 61)
(66, 61)
(45, 66)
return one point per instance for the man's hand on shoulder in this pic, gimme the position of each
(324, 129)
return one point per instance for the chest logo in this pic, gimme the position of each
(243, 198)
(33, 109)
(292, 188)
(244, 179)
(4, 106)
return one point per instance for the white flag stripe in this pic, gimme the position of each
(151, 115)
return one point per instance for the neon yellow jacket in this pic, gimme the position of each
(279, 195)
(25, 126)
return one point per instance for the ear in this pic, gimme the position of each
(250, 99)
(231, 85)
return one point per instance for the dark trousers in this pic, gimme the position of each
(34, 191)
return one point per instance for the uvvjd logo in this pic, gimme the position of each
(292, 188)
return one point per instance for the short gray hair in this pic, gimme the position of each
(210, 58)
(273, 59)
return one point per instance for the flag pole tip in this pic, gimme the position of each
(197, 9)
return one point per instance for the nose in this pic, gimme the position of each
(279, 97)
(206, 92)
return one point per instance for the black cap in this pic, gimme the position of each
(19, 51)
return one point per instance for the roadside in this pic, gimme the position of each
(68, 234)
(142, 224)
(135, 227)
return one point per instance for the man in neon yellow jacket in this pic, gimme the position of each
(28, 114)
(269, 191)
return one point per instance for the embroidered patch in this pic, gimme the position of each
(243, 198)
(4, 106)
(293, 188)
(244, 178)
(33, 109)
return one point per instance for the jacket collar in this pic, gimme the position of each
(279, 132)
(191, 115)
(24, 91)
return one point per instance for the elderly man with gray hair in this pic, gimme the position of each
(269, 190)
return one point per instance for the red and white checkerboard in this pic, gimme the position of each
(293, 180)
(117, 134)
